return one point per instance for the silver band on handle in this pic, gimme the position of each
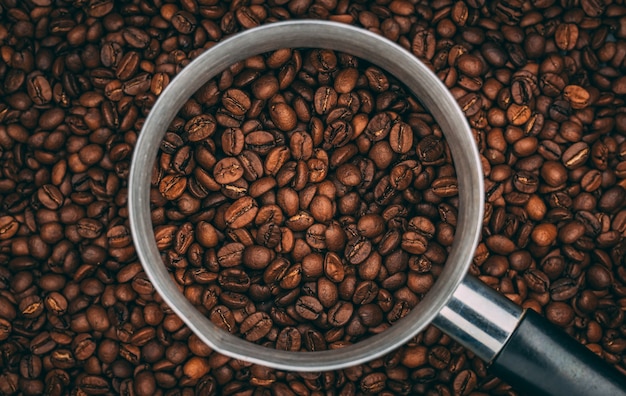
(479, 318)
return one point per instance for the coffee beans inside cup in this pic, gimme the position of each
(304, 200)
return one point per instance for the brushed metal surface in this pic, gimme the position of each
(479, 318)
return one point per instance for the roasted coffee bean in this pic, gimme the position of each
(241, 213)
(8, 227)
(228, 170)
(283, 116)
(576, 155)
(38, 88)
(365, 292)
(257, 257)
(358, 250)
(289, 339)
(200, 127)
(566, 36)
(50, 197)
(430, 149)
(223, 318)
(373, 383)
(612, 199)
(414, 243)
(598, 277)
(401, 138)
(308, 307)
(346, 80)
(559, 313)
(553, 173)
(563, 289)
(465, 382)
(333, 267)
(230, 255)
(401, 177)
(256, 326)
(370, 315)
(234, 279)
(172, 186)
(236, 102)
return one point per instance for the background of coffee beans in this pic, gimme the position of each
(542, 83)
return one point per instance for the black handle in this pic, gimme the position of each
(541, 359)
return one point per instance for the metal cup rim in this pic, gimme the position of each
(377, 50)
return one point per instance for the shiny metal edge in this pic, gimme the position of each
(378, 50)
(479, 318)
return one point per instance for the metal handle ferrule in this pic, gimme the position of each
(479, 318)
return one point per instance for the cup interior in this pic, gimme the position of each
(379, 51)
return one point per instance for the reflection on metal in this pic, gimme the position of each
(479, 318)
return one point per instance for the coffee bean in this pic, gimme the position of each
(172, 186)
(260, 142)
(576, 155)
(401, 138)
(8, 227)
(5, 329)
(401, 177)
(301, 145)
(325, 100)
(256, 257)
(373, 383)
(256, 326)
(349, 175)
(370, 315)
(308, 307)
(445, 187)
(365, 292)
(50, 196)
(346, 80)
(612, 199)
(38, 88)
(414, 243)
(566, 36)
(563, 289)
(544, 234)
(206, 235)
(241, 213)
(553, 173)
(89, 228)
(223, 318)
(228, 170)
(289, 339)
(265, 87)
(577, 96)
(200, 127)
(559, 313)
(333, 267)
(236, 102)
(283, 116)
(230, 255)
(470, 65)
(276, 158)
(518, 114)
(598, 277)
(465, 382)
(357, 250)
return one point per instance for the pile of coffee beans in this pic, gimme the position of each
(542, 83)
(312, 208)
